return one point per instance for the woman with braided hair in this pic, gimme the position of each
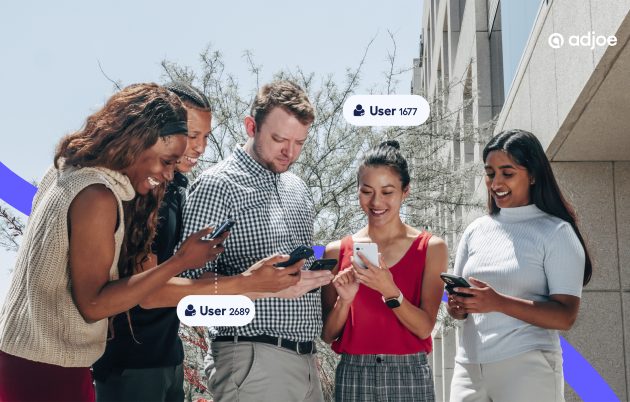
(143, 343)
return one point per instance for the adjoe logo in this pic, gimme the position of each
(589, 40)
(219, 310)
(556, 40)
(386, 110)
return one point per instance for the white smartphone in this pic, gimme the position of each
(369, 251)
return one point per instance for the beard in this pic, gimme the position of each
(267, 163)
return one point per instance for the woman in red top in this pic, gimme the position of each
(380, 318)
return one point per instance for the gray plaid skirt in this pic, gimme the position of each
(384, 378)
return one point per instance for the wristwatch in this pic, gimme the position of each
(393, 302)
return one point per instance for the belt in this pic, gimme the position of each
(301, 348)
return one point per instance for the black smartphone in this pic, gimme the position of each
(328, 264)
(299, 253)
(222, 228)
(455, 281)
(323, 264)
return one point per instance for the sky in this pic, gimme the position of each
(50, 52)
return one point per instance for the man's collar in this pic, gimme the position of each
(251, 165)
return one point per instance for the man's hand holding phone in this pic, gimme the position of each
(327, 264)
(298, 254)
(309, 280)
(288, 266)
(267, 278)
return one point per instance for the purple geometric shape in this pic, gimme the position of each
(16, 191)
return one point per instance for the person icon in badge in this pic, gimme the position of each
(359, 111)
(190, 311)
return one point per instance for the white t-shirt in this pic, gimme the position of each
(521, 252)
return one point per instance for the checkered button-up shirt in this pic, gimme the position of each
(274, 214)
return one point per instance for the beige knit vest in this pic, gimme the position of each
(39, 320)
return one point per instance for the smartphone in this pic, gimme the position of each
(328, 264)
(299, 253)
(222, 228)
(369, 251)
(323, 264)
(455, 281)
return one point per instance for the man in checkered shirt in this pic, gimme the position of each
(272, 358)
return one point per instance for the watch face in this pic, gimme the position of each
(392, 303)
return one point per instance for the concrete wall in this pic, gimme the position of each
(600, 193)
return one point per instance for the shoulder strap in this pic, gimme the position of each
(345, 247)
(423, 244)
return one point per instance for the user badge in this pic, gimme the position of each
(386, 110)
(216, 310)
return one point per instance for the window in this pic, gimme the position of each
(517, 20)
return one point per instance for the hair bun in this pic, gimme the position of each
(390, 143)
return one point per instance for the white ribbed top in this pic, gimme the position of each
(39, 320)
(522, 252)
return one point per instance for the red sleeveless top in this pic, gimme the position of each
(372, 327)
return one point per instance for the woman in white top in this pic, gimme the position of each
(527, 262)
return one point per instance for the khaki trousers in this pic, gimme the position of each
(531, 376)
(254, 371)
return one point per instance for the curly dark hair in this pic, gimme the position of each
(129, 123)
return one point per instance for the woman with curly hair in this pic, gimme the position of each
(93, 220)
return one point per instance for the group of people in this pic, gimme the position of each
(117, 237)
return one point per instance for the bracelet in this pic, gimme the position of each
(216, 281)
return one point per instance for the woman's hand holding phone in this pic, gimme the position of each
(480, 299)
(195, 252)
(369, 252)
(456, 309)
(375, 277)
(222, 228)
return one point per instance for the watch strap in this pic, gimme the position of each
(398, 299)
